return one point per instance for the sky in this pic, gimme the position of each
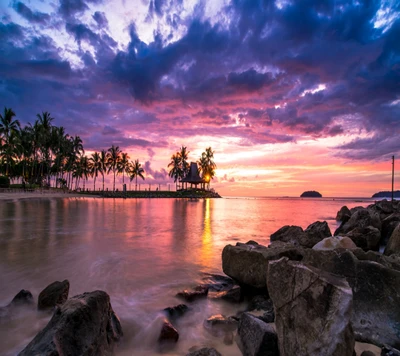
(291, 95)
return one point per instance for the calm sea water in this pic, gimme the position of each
(141, 252)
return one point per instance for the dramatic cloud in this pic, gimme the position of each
(271, 78)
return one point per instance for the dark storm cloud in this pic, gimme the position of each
(249, 80)
(31, 16)
(68, 8)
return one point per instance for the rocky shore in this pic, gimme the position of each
(307, 293)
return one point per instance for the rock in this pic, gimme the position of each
(249, 264)
(205, 351)
(228, 338)
(313, 310)
(316, 232)
(54, 294)
(168, 333)
(176, 311)
(343, 214)
(24, 297)
(217, 282)
(393, 246)
(257, 338)
(233, 295)
(367, 238)
(360, 218)
(198, 293)
(290, 233)
(388, 226)
(368, 353)
(84, 325)
(335, 242)
(389, 351)
(264, 304)
(219, 325)
(372, 277)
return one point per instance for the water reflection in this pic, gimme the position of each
(206, 237)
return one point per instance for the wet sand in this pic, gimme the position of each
(17, 195)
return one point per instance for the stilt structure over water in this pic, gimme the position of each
(193, 178)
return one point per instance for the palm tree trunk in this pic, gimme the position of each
(103, 182)
(136, 183)
(94, 184)
(114, 182)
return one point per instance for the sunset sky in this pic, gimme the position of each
(291, 95)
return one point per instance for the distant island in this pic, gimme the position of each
(387, 194)
(311, 194)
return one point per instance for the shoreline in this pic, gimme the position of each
(10, 196)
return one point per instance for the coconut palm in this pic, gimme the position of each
(95, 167)
(114, 157)
(176, 168)
(136, 171)
(124, 165)
(207, 165)
(183, 154)
(103, 164)
(8, 127)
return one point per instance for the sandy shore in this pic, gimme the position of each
(40, 194)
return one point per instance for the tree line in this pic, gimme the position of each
(40, 151)
(179, 165)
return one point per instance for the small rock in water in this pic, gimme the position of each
(84, 325)
(176, 311)
(54, 294)
(219, 325)
(168, 333)
(205, 351)
(190, 296)
(232, 295)
(217, 282)
(24, 297)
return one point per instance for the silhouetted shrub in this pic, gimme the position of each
(4, 182)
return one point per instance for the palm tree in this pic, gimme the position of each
(114, 156)
(103, 164)
(123, 165)
(8, 127)
(95, 167)
(136, 171)
(183, 154)
(207, 165)
(176, 168)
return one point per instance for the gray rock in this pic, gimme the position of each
(360, 218)
(263, 304)
(190, 296)
(257, 338)
(368, 353)
(343, 214)
(367, 238)
(233, 295)
(372, 277)
(217, 282)
(205, 351)
(54, 294)
(316, 232)
(389, 351)
(313, 310)
(290, 233)
(219, 325)
(393, 246)
(335, 242)
(388, 226)
(84, 325)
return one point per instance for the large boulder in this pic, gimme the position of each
(360, 218)
(54, 294)
(367, 238)
(374, 278)
(84, 325)
(393, 246)
(343, 214)
(248, 264)
(316, 232)
(312, 310)
(290, 233)
(257, 338)
(388, 226)
(335, 242)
